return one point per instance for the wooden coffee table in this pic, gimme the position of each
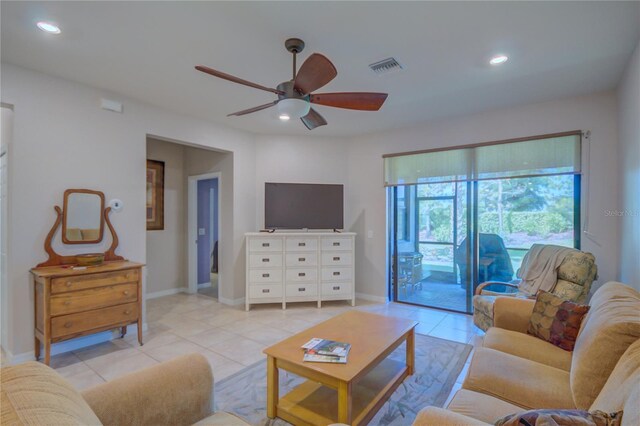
(348, 393)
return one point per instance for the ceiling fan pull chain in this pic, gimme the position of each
(294, 65)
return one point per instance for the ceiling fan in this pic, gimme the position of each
(295, 97)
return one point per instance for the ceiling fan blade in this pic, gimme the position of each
(314, 73)
(234, 79)
(313, 119)
(254, 109)
(362, 101)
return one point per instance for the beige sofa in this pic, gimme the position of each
(514, 371)
(177, 392)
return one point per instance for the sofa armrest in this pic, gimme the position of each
(512, 313)
(434, 416)
(176, 392)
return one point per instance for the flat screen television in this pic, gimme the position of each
(303, 205)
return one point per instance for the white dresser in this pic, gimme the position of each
(284, 267)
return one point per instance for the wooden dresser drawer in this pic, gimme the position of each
(336, 274)
(266, 260)
(77, 323)
(337, 258)
(264, 276)
(301, 244)
(83, 282)
(93, 298)
(301, 275)
(302, 290)
(265, 291)
(265, 244)
(336, 243)
(301, 259)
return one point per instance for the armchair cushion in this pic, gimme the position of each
(34, 394)
(480, 406)
(528, 347)
(512, 313)
(432, 416)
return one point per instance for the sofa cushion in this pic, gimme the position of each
(432, 416)
(34, 394)
(561, 418)
(622, 389)
(481, 406)
(518, 381)
(526, 346)
(556, 320)
(610, 327)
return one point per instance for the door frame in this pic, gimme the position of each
(192, 229)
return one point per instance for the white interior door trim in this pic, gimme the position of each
(192, 229)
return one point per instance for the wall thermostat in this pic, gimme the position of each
(116, 205)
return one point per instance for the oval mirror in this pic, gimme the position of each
(82, 221)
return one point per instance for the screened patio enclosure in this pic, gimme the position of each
(464, 216)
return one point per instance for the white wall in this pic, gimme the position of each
(629, 166)
(299, 159)
(62, 139)
(166, 256)
(367, 201)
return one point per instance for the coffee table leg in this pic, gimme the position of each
(411, 351)
(344, 403)
(272, 387)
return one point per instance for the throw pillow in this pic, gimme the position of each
(556, 320)
(561, 418)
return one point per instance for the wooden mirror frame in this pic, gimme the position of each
(65, 210)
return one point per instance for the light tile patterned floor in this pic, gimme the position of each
(231, 338)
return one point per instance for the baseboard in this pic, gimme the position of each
(73, 345)
(231, 302)
(205, 285)
(371, 298)
(167, 292)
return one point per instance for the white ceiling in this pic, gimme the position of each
(147, 50)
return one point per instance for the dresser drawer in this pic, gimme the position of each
(93, 298)
(265, 291)
(336, 243)
(336, 274)
(301, 244)
(301, 259)
(83, 282)
(302, 290)
(337, 258)
(263, 276)
(100, 318)
(336, 289)
(265, 260)
(265, 244)
(301, 275)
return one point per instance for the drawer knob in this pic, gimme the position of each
(265, 244)
(302, 274)
(68, 324)
(68, 283)
(126, 292)
(302, 259)
(336, 259)
(302, 244)
(265, 275)
(336, 287)
(127, 312)
(67, 302)
(265, 290)
(266, 259)
(336, 244)
(336, 273)
(301, 289)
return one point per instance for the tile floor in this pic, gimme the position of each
(182, 323)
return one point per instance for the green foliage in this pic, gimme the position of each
(533, 223)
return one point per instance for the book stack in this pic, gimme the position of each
(322, 350)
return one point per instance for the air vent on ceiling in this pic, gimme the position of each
(385, 66)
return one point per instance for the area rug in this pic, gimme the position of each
(438, 364)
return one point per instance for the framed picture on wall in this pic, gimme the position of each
(155, 195)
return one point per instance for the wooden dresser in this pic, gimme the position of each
(72, 302)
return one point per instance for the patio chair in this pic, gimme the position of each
(576, 273)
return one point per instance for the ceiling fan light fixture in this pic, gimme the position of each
(293, 108)
(498, 60)
(48, 27)
(284, 117)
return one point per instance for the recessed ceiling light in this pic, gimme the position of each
(498, 59)
(284, 117)
(48, 27)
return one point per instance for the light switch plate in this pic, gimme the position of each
(202, 231)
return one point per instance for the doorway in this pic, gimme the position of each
(204, 233)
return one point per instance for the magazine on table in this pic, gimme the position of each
(323, 350)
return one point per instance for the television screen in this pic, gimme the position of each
(302, 205)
